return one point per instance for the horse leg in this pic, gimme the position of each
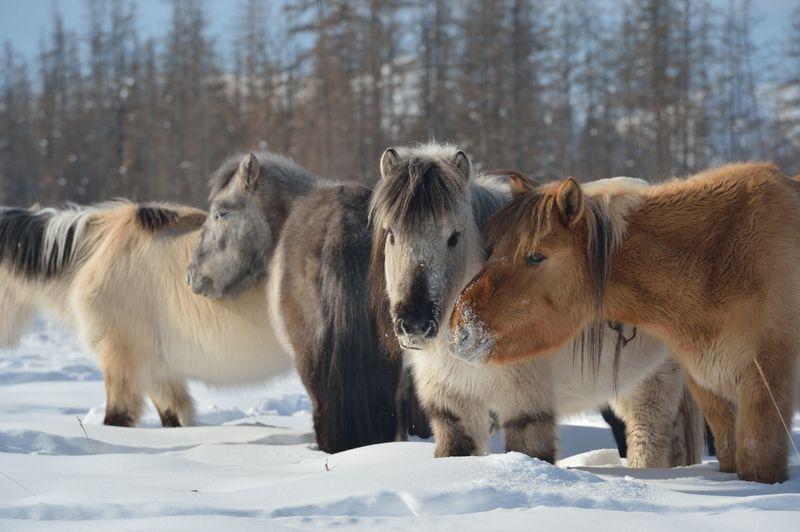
(411, 417)
(173, 403)
(527, 414)
(618, 429)
(532, 433)
(649, 412)
(460, 431)
(721, 417)
(122, 382)
(762, 447)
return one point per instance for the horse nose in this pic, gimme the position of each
(418, 325)
(202, 286)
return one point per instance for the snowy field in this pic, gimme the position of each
(251, 465)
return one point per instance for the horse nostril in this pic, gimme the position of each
(200, 286)
(416, 326)
(400, 327)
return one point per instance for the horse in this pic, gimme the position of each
(114, 272)
(709, 264)
(428, 213)
(309, 239)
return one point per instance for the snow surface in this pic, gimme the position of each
(251, 465)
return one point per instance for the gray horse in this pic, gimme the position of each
(310, 237)
(428, 213)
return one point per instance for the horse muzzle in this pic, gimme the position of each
(471, 342)
(202, 285)
(414, 332)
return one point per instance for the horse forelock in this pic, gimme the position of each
(526, 218)
(421, 187)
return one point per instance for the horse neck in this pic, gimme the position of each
(640, 293)
(277, 200)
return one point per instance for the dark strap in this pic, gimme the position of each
(619, 328)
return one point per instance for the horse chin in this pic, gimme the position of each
(207, 293)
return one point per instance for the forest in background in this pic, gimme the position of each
(592, 88)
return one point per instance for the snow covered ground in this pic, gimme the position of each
(251, 465)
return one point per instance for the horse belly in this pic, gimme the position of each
(577, 387)
(243, 360)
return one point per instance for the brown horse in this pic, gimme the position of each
(710, 264)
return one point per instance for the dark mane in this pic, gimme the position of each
(529, 217)
(420, 187)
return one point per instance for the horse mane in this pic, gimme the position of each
(379, 298)
(607, 203)
(282, 172)
(424, 183)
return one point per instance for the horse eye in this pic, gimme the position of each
(220, 215)
(391, 236)
(534, 259)
(453, 240)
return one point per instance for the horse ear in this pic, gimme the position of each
(520, 184)
(569, 200)
(463, 165)
(389, 161)
(249, 172)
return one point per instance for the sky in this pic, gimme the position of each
(23, 22)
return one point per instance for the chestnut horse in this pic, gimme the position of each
(710, 264)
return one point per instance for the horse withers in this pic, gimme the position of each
(710, 264)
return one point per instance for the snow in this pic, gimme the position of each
(252, 465)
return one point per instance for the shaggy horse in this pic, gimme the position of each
(428, 213)
(115, 273)
(709, 264)
(310, 238)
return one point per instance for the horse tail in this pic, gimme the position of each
(357, 404)
(38, 247)
(691, 432)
